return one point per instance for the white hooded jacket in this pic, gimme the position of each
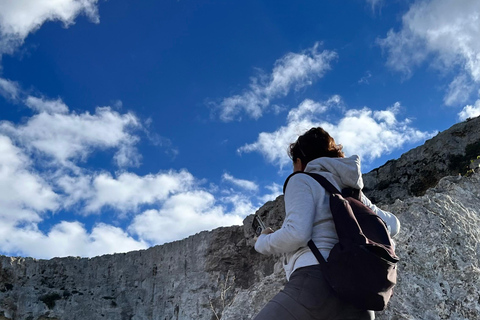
(308, 214)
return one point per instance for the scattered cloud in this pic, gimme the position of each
(70, 137)
(175, 219)
(160, 207)
(239, 205)
(9, 89)
(117, 104)
(374, 3)
(459, 90)
(273, 145)
(371, 134)
(68, 239)
(405, 51)
(127, 155)
(445, 29)
(176, 199)
(20, 17)
(275, 190)
(292, 71)
(309, 108)
(48, 106)
(32, 190)
(26, 198)
(365, 79)
(244, 184)
(470, 111)
(129, 191)
(24, 194)
(365, 132)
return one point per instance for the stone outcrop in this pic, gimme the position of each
(188, 279)
(447, 154)
(439, 271)
(217, 275)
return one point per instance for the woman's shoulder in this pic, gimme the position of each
(297, 179)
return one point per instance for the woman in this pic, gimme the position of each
(306, 295)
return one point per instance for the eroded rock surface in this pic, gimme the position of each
(439, 247)
(188, 279)
(448, 154)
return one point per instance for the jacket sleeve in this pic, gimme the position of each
(296, 230)
(393, 224)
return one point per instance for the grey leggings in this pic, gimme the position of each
(307, 296)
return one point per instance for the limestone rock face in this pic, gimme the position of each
(447, 154)
(439, 270)
(439, 247)
(218, 275)
(189, 279)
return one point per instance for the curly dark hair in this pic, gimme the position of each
(313, 144)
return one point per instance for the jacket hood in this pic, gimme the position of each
(347, 170)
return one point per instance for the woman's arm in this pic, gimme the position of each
(296, 230)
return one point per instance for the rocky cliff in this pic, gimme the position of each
(439, 271)
(447, 154)
(217, 275)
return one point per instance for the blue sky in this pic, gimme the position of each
(125, 124)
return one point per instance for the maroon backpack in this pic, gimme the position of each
(361, 267)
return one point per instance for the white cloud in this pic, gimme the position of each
(309, 108)
(129, 190)
(68, 137)
(27, 197)
(275, 191)
(9, 89)
(365, 78)
(292, 71)
(470, 111)
(405, 51)
(68, 239)
(72, 137)
(374, 3)
(177, 196)
(48, 106)
(75, 188)
(446, 29)
(370, 134)
(182, 215)
(241, 206)
(127, 155)
(459, 90)
(24, 195)
(18, 18)
(244, 184)
(273, 145)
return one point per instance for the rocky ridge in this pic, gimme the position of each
(217, 275)
(449, 153)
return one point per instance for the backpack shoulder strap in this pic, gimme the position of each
(317, 254)
(319, 178)
(324, 183)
